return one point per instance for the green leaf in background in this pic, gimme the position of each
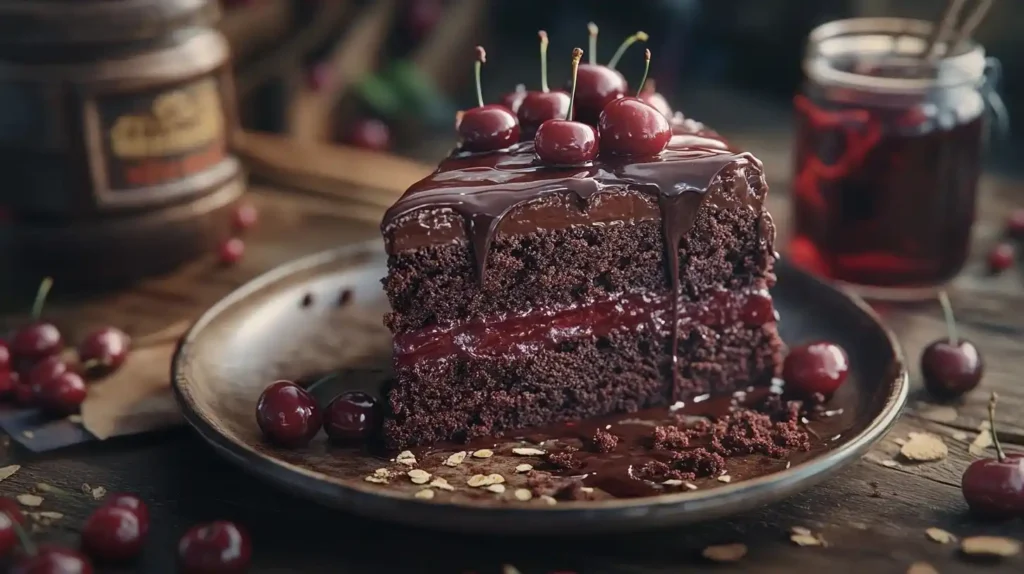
(420, 94)
(381, 97)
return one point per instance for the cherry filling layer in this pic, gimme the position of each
(547, 328)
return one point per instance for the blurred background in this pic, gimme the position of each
(391, 73)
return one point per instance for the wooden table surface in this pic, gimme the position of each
(873, 517)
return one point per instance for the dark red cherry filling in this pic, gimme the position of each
(818, 367)
(631, 128)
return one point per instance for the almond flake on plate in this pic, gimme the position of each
(425, 494)
(924, 447)
(484, 480)
(890, 464)
(673, 482)
(483, 453)
(990, 546)
(98, 493)
(523, 494)
(418, 476)
(725, 552)
(724, 478)
(527, 451)
(800, 530)
(406, 457)
(939, 535)
(375, 479)
(441, 483)
(548, 499)
(456, 459)
(959, 435)
(46, 515)
(509, 569)
(8, 471)
(76, 419)
(922, 568)
(690, 486)
(496, 488)
(524, 467)
(29, 499)
(807, 540)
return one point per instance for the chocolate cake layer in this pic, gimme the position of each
(627, 370)
(727, 248)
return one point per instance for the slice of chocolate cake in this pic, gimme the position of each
(524, 294)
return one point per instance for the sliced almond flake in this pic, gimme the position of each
(46, 514)
(900, 441)
(375, 479)
(939, 535)
(478, 480)
(8, 471)
(86, 488)
(29, 499)
(44, 487)
(673, 482)
(890, 464)
(483, 453)
(922, 568)
(425, 494)
(800, 530)
(957, 435)
(724, 478)
(983, 441)
(788, 464)
(527, 451)
(456, 459)
(406, 457)
(76, 419)
(524, 467)
(98, 493)
(523, 494)
(924, 447)
(990, 546)
(690, 486)
(496, 488)
(418, 476)
(548, 499)
(28, 434)
(725, 552)
(586, 490)
(496, 478)
(441, 483)
(807, 540)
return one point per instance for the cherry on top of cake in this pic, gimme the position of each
(540, 106)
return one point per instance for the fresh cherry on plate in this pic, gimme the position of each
(951, 367)
(994, 487)
(514, 99)
(288, 415)
(565, 142)
(61, 395)
(246, 215)
(487, 127)
(53, 560)
(104, 350)
(351, 417)
(656, 100)
(49, 368)
(1001, 257)
(114, 534)
(817, 367)
(231, 251)
(539, 107)
(219, 547)
(598, 85)
(630, 127)
(369, 133)
(38, 339)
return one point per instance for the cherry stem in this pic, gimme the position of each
(543, 61)
(23, 537)
(647, 68)
(592, 30)
(947, 311)
(577, 54)
(41, 294)
(639, 36)
(1000, 454)
(481, 57)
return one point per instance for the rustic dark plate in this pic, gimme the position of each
(322, 314)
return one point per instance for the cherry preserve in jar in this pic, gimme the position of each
(888, 156)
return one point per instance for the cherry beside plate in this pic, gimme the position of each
(322, 314)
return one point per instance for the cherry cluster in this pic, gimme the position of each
(289, 416)
(114, 534)
(35, 370)
(570, 128)
(233, 248)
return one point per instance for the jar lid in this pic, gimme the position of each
(78, 23)
(887, 55)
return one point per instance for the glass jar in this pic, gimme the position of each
(888, 156)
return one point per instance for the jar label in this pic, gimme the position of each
(160, 137)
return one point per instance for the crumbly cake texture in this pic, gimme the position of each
(500, 271)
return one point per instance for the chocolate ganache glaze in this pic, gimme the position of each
(483, 189)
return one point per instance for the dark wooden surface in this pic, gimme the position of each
(872, 516)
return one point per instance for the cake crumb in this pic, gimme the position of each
(425, 494)
(725, 552)
(406, 457)
(939, 535)
(483, 453)
(566, 459)
(496, 488)
(523, 494)
(995, 546)
(527, 451)
(604, 441)
(455, 459)
(670, 438)
(657, 471)
(418, 476)
(524, 467)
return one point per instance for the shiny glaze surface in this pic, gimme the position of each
(633, 128)
(563, 142)
(488, 128)
(539, 107)
(596, 85)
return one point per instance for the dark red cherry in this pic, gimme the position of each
(513, 100)
(5, 356)
(656, 100)
(539, 107)
(219, 547)
(61, 395)
(818, 367)
(351, 417)
(104, 350)
(370, 133)
(8, 381)
(36, 341)
(631, 128)
(596, 87)
(49, 368)
(11, 508)
(245, 217)
(994, 487)
(288, 415)
(24, 395)
(53, 560)
(113, 534)
(561, 142)
(8, 535)
(488, 128)
(951, 370)
(132, 503)
(231, 251)
(1015, 224)
(1001, 257)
